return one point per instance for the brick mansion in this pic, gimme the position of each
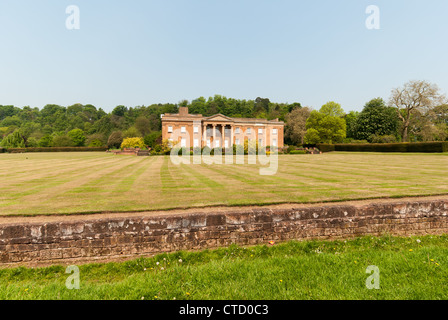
(194, 130)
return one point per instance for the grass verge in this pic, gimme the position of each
(410, 268)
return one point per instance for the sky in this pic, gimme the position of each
(140, 52)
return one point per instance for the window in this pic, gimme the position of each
(226, 143)
(237, 130)
(260, 131)
(183, 129)
(196, 143)
(260, 142)
(196, 130)
(237, 141)
(274, 132)
(170, 129)
(216, 143)
(274, 142)
(183, 143)
(249, 131)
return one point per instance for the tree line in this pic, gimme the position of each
(416, 111)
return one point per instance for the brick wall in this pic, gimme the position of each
(118, 238)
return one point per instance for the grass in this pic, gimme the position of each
(411, 268)
(66, 183)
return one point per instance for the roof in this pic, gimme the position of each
(217, 117)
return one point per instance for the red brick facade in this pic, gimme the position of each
(194, 130)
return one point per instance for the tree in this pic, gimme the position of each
(77, 136)
(295, 128)
(414, 96)
(45, 141)
(332, 109)
(143, 125)
(115, 140)
(62, 141)
(350, 120)
(376, 119)
(13, 140)
(119, 111)
(262, 105)
(324, 128)
(132, 132)
(96, 140)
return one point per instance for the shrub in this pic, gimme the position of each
(250, 147)
(133, 143)
(291, 148)
(152, 139)
(298, 152)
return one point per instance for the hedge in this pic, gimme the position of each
(298, 152)
(417, 147)
(2, 150)
(56, 149)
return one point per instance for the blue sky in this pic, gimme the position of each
(142, 52)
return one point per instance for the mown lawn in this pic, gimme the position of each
(409, 268)
(49, 183)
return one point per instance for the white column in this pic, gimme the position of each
(214, 136)
(223, 128)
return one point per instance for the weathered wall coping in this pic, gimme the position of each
(113, 238)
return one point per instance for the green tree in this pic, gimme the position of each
(62, 141)
(13, 140)
(96, 140)
(132, 132)
(45, 141)
(324, 128)
(143, 125)
(376, 119)
(119, 111)
(77, 136)
(350, 120)
(332, 109)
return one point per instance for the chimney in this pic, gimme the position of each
(183, 111)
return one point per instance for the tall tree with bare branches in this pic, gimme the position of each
(414, 96)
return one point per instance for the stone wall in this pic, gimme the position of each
(117, 238)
